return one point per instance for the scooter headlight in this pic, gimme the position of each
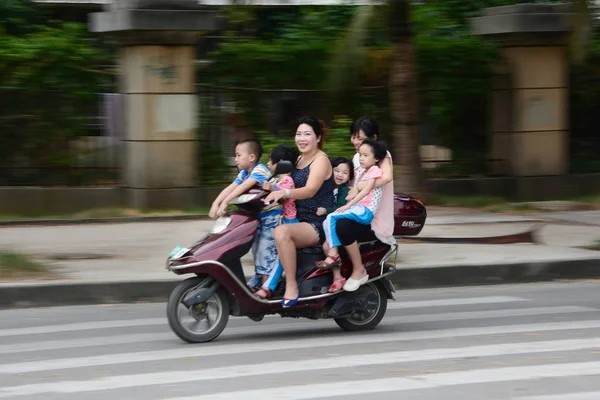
(220, 225)
(245, 198)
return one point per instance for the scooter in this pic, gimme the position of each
(199, 307)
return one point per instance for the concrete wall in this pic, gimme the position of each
(36, 201)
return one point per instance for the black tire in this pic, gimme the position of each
(219, 299)
(367, 324)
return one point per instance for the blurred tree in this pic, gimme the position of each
(437, 20)
(48, 93)
(16, 16)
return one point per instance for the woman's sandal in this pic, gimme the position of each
(337, 285)
(259, 293)
(336, 262)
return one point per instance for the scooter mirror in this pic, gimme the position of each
(283, 167)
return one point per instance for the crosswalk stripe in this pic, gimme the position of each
(150, 337)
(80, 326)
(240, 371)
(283, 344)
(466, 315)
(85, 342)
(398, 304)
(427, 381)
(565, 396)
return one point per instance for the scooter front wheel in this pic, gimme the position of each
(201, 322)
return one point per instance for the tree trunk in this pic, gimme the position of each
(409, 177)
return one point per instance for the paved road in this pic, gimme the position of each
(525, 342)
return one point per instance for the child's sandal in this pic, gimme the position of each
(336, 261)
(337, 285)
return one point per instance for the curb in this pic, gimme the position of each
(68, 294)
(110, 220)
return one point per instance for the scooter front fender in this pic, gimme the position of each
(202, 292)
(247, 303)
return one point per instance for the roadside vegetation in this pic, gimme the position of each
(14, 265)
(594, 246)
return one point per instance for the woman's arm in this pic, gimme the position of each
(387, 174)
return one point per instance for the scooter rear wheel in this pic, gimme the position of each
(207, 320)
(362, 321)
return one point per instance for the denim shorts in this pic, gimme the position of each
(263, 248)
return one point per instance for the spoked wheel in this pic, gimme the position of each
(365, 320)
(201, 322)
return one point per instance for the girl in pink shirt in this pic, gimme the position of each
(362, 207)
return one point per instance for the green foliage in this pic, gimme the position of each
(337, 140)
(299, 49)
(585, 101)
(48, 93)
(457, 102)
(295, 50)
(16, 16)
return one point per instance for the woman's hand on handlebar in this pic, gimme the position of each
(274, 197)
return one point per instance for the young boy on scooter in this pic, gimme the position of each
(252, 172)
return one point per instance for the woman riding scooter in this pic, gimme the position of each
(313, 181)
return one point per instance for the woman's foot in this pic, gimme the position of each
(263, 293)
(330, 262)
(337, 285)
(289, 301)
(353, 283)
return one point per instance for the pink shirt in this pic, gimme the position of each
(373, 199)
(289, 207)
(383, 223)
